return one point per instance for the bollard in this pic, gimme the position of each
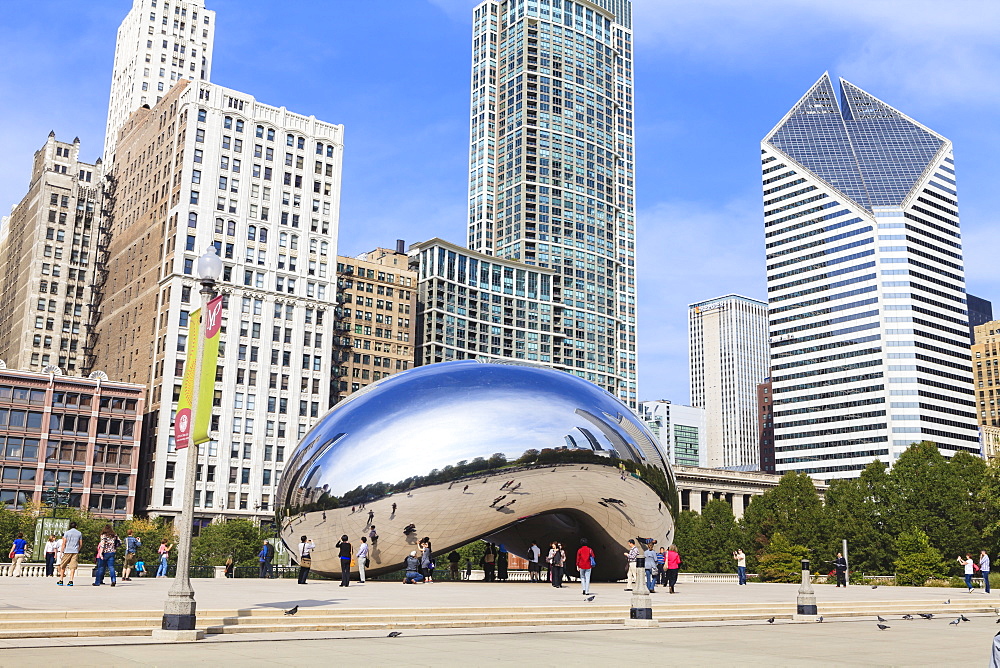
(805, 602)
(640, 615)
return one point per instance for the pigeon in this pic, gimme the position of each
(292, 611)
(874, 586)
(955, 621)
(879, 617)
(998, 621)
(771, 620)
(907, 616)
(948, 602)
(926, 615)
(394, 634)
(964, 618)
(883, 627)
(820, 620)
(591, 598)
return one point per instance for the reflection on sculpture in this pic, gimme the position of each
(434, 446)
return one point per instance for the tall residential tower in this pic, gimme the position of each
(551, 173)
(727, 348)
(866, 289)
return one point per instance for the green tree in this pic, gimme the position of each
(792, 508)
(781, 560)
(720, 536)
(918, 561)
(689, 539)
(860, 511)
(239, 539)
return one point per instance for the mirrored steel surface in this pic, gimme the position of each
(433, 447)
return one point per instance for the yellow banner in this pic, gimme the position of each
(184, 429)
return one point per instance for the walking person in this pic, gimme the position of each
(132, 544)
(649, 565)
(264, 559)
(305, 548)
(362, 557)
(661, 562)
(72, 543)
(584, 563)
(164, 551)
(534, 565)
(558, 565)
(741, 565)
(453, 559)
(673, 567)
(984, 569)
(969, 564)
(17, 554)
(373, 537)
(427, 560)
(840, 565)
(345, 561)
(107, 547)
(631, 555)
(51, 550)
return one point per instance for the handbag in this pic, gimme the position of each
(305, 562)
(593, 562)
(368, 562)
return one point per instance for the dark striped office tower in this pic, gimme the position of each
(869, 330)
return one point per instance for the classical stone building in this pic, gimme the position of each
(698, 486)
(49, 250)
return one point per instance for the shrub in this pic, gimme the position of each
(918, 561)
(782, 561)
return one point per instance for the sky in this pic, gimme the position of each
(712, 77)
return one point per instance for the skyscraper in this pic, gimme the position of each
(980, 313)
(680, 430)
(551, 168)
(866, 288)
(727, 348)
(159, 43)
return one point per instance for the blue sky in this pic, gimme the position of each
(712, 77)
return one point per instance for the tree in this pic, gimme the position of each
(860, 511)
(781, 560)
(918, 561)
(792, 508)
(720, 536)
(239, 539)
(689, 541)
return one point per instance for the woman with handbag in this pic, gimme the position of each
(558, 556)
(305, 560)
(362, 558)
(584, 563)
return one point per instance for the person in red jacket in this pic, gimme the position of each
(673, 565)
(585, 562)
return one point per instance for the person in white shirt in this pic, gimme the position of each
(51, 552)
(305, 558)
(362, 557)
(968, 564)
(534, 563)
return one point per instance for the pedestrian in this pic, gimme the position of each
(230, 567)
(503, 559)
(534, 565)
(362, 557)
(164, 551)
(584, 563)
(413, 575)
(741, 565)
(558, 556)
(345, 561)
(51, 550)
(968, 563)
(631, 555)
(140, 568)
(107, 547)
(465, 489)
(132, 544)
(306, 547)
(394, 508)
(264, 559)
(426, 560)
(373, 537)
(17, 554)
(324, 516)
(72, 543)
(984, 569)
(649, 565)
(840, 565)
(661, 561)
(371, 515)
(673, 566)
(453, 559)
(488, 562)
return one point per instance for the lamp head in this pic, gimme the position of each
(210, 265)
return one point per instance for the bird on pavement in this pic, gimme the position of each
(590, 598)
(292, 611)
(907, 616)
(394, 634)
(926, 615)
(771, 621)
(883, 627)
(874, 586)
(879, 617)
(998, 621)
(820, 620)
(964, 618)
(955, 621)
(948, 602)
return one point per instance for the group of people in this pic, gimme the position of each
(650, 568)
(970, 568)
(349, 557)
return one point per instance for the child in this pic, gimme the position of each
(140, 568)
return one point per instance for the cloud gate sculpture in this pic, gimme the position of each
(433, 447)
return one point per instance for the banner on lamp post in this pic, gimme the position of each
(186, 429)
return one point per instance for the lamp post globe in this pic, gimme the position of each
(210, 265)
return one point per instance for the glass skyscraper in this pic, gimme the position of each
(551, 178)
(868, 321)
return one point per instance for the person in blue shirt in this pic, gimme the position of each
(264, 558)
(17, 554)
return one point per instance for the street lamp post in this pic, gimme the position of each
(179, 610)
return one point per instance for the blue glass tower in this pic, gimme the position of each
(868, 321)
